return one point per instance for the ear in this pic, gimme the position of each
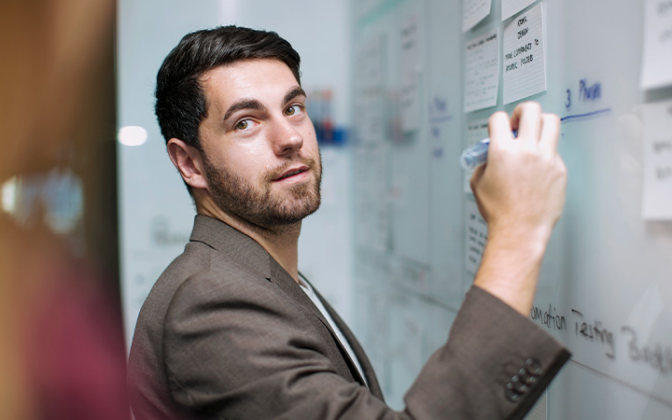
(188, 160)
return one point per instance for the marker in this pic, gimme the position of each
(477, 154)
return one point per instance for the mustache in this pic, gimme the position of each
(278, 171)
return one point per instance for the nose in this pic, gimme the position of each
(286, 138)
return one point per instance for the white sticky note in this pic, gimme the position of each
(657, 191)
(511, 7)
(657, 57)
(524, 66)
(371, 63)
(477, 130)
(474, 11)
(409, 105)
(369, 118)
(481, 83)
(476, 237)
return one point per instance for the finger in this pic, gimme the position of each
(499, 129)
(476, 178)
(550, 132)
(526, 118)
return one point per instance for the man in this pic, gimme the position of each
(231, 330)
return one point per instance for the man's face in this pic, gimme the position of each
(260, 153)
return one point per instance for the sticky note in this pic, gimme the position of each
(657, 56)
(370, 118)
(409, 103)
(371, 63)
(476, 237)
(524, 65)
(474, 11)
(481, 83)
(657, 189)
(476, 130)
(511, 7)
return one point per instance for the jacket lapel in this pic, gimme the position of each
(248, 252)
(290, 287)
(240, 247)
(367, 368)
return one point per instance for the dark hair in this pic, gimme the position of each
(180, 101)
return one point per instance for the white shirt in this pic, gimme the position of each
(305, 286)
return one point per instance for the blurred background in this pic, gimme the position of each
(61, 338)
(93, 210)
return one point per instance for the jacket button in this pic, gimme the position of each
(527, 379)
(533, 367)
(511, 393)
(518, 384)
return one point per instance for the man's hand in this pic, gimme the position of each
(520, 193)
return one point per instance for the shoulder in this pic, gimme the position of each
(200, 272)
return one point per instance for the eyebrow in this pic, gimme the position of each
(255, 104)
(244, 104)
(297, 91)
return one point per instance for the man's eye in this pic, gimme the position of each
(292, 110)
(243, 125)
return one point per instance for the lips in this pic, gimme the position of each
(291, 172)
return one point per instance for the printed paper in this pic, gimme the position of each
(482, 71)
(657, 199)
(474, 11)
(657, 57)
(370, 62)
(476, 237)
(511, 7)
(524, 65)
(477, 130)
(410, 68)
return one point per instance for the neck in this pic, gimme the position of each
(282, 242)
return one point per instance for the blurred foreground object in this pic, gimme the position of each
(61, 343)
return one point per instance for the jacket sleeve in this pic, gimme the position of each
(495, 365)
(245, 353)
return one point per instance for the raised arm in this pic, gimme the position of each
(520, 193)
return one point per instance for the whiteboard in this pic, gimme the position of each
(606, 284)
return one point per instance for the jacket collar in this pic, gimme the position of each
(248, 252)
(222, 237)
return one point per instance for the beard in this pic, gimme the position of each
(258, 204)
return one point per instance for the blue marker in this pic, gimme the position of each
(477, 154)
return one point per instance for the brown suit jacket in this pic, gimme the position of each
(226, 333)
